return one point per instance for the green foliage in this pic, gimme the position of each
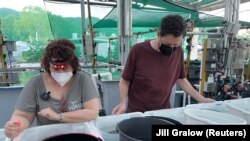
(8, 12)
(78, 51)
(36, 26)
(32, 22)
(8, 27)
(32, 25)
(25, 76)
(35, 53)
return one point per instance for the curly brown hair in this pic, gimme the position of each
(62, 50)
(173, 24)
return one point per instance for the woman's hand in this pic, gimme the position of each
(12, 128)
(49, 114)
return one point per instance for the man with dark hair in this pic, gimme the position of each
(152, 69)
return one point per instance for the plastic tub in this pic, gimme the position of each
(107, 125)
(175, 113)
(73, 137)
(240, 108)
(219, 106)
(201, 116)
(139, 128)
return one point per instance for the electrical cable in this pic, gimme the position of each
(53, 34)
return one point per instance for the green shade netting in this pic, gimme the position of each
(147, 13)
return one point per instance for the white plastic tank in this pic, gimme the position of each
(201, 116)
(39, 133)
(175, 113)
(240, 108)
(2, 136)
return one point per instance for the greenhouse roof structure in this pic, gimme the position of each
(147, 13)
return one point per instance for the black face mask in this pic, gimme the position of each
(166, 49)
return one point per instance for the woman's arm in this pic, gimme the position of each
(90, 112)
(19, 121)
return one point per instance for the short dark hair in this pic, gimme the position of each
(63, 50)
(172, 24)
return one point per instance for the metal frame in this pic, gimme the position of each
(79, 1)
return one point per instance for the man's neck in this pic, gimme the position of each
(154, 45)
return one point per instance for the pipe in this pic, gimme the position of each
(91, 3)
(39, 68)
(203, 33)
(103, 74)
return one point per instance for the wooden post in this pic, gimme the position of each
(203, 67)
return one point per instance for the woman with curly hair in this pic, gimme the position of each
(60, 94)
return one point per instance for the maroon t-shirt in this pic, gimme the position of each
(152, 76)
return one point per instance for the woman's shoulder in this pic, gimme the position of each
(34, 81)
(36, 78)
(81, 75)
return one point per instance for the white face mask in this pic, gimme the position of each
(62, 78)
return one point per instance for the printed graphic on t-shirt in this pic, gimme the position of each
(74, 105)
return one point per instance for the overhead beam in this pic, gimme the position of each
(179, 3)
(85, 2)
(215, 5)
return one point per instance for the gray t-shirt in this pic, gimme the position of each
(81, 90)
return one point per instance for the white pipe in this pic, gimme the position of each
(103, 74)
(203, 33)
(238, 9)
(226, 11)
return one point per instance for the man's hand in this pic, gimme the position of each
(119, 109)
(206, 100)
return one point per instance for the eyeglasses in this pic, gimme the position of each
(59, 66)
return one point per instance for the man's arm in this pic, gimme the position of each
(187, 87)
(123, 88)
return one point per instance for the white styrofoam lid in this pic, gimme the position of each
(242, 105)
(212, 117)
(106, 122)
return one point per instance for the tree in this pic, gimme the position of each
(36, 26)
(34, 54)
(32, 25)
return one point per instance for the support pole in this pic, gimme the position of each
(124, 28)
(2, 58)
(84, 52)
(91, 35)
(203, 67)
